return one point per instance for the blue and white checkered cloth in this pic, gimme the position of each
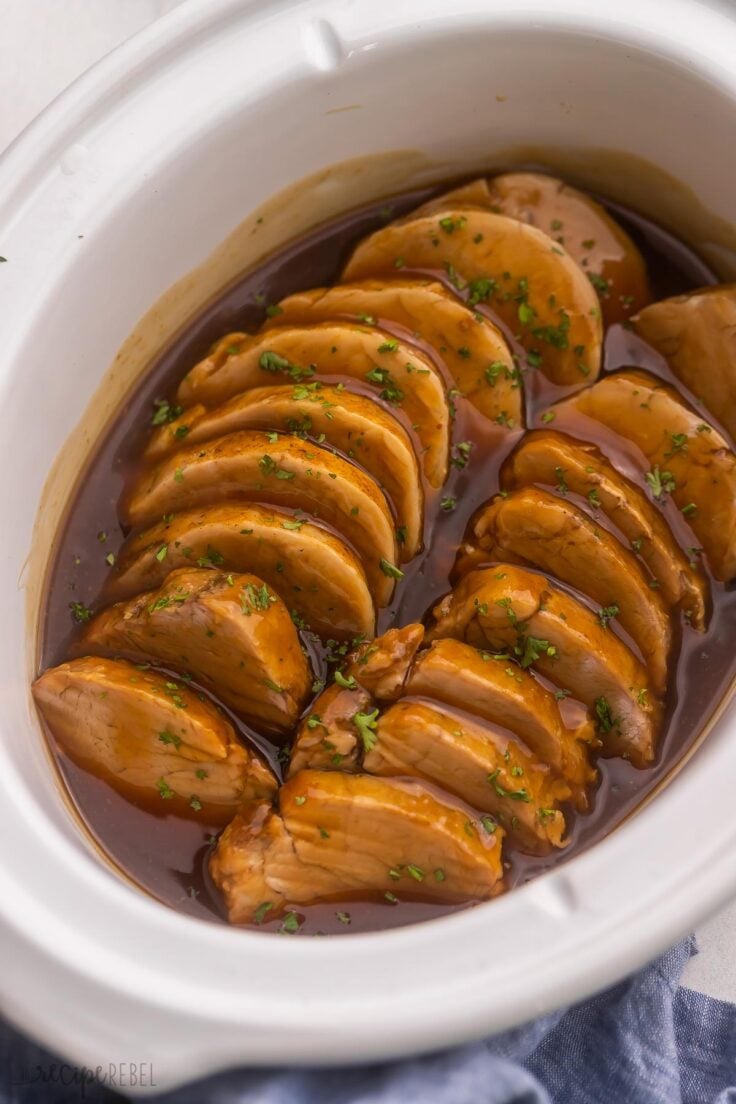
(645, 1041)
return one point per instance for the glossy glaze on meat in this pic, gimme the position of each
(328, 583)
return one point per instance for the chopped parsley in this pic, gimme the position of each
(493, 371)
(165, 412)
(391, 392)
(607, 614)
(530, 648)
(679, 444)
(291, 923)
(390, 569)
(599, 283)
(515, 795)
(212, 558)
(253, 598)
(660, 482)
(271, 685)
(164, 789)
(348, 683)
(557, 336)
(505, 603)
(454, 277)
(366, 726)
(272, 362)
(173, 691)
(461, 454)
(80, 612)
(480, 290)
(167, 737)
(450, 224)
(561, 484)
(268, 466)
(526, 313)
(605, 718)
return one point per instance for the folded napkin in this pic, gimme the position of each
(645, 1041)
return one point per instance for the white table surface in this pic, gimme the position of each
(44, 45)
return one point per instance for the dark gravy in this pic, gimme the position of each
(166, 854)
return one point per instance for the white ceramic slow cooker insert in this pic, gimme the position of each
(127, 183)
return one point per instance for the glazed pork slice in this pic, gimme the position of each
(319, 577)
(485, 766)
(572, 219)
(696, 333)
(533, 527)
(389, 369)
(474, 352)
(688, 458)
(548, 630)
(531, 283)
(148, 735)
(382, 665)
(337, 835)
(342, 720)
(495, 688)
(329, 736)
(283, 471)
(556, 460)
(354, 424)
(229, 632)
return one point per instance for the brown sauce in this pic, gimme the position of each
(166, 854)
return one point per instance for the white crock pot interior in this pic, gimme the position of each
(154, 157)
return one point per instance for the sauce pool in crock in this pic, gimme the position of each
(167, 854)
